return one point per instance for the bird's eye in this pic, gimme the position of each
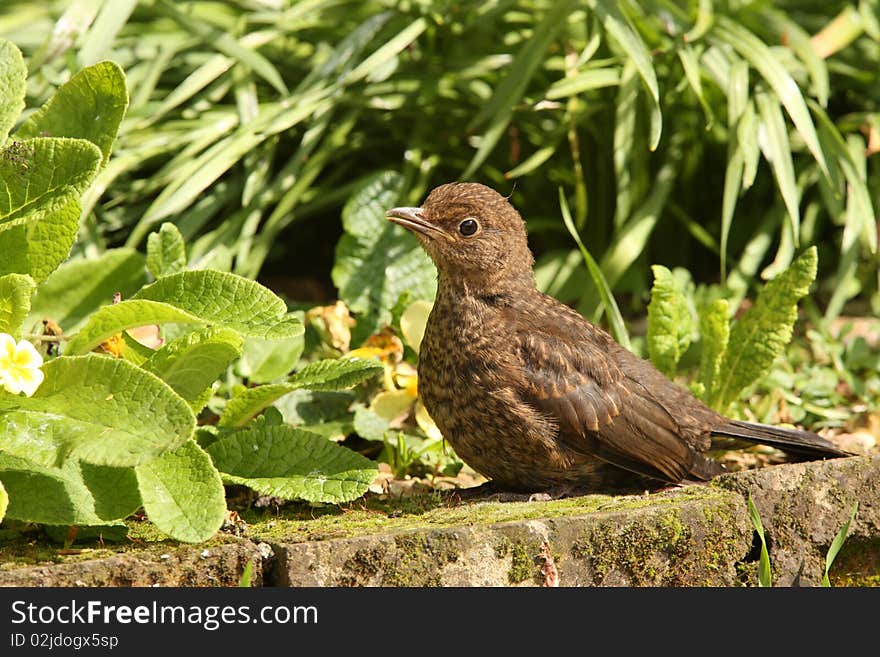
(468, 227)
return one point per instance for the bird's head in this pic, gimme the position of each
(471, 233)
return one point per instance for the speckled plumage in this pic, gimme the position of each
(531, 394)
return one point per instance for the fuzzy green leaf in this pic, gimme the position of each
(376, 260)
(89, 106)
(292, 464)
(166, 252)
(82, 285)
(15, 301)
(670, 322)
(41, 181)
(760, 336)
(202, 297)
(13, 76)
(227, 300)
(335, 373)
(74, 494)
(183, 494)
(714, 334)
(122, 316)
(329, 374)
(191, 363)
(98, 409)
(268, 360)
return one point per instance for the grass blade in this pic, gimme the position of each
(618, 328)
(765, 577)
(764, 61)
(777, 151)
(836, 544)
(619, 27)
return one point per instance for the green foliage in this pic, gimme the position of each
(15, 301)
(107, 433)
(765, 576)
(670, 323)
(166, 253)
(837, 543)
(182, 493)
(705, 136)
(292, 464)
(97, 409)
(376, 260)
(760, 335)
(733, 355)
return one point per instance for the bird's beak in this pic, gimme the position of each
(414, 219)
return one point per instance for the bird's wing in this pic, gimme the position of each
(579, 382)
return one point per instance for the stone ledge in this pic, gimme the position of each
(688, 536)
(188, 566)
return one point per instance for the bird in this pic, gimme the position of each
(531, 394)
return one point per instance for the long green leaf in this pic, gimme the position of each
(765, 62)
(615, 319)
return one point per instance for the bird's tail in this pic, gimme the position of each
(805, 445)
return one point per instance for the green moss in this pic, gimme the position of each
(522, 565)
(502, 548)
(420, 559)
(300, 522)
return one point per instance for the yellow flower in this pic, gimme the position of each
(19, 366)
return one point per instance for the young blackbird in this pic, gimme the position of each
(531, 394)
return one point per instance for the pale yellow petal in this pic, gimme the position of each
(30, 380)
(27, 356)
(7, 349)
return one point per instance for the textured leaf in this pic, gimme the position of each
(166, 252)
(376, 260)
(40, 246)
(40, 183)
(13, 74)
(183, 494)
(292, 464)
(329, 374)
(268, 360)
(15, 301)
(228, 300)
(714, 335)
(370, 425)
(336, 373)
(191, 363)
(760, 336)
(74, 494)
(98, 409)
(82, 285)
(112, 319)
(89, 106)
(670, 322)
(205, 297)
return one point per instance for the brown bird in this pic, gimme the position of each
(531, 394)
